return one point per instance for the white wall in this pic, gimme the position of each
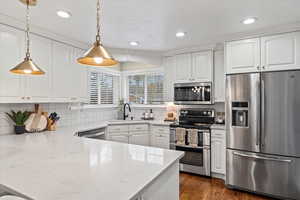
(133, 66)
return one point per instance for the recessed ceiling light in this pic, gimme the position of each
(134, 43)
(63, 14)
(180, 34)
(249, 20)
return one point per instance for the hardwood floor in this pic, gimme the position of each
(200, 188)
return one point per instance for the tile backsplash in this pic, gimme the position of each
(68, 117)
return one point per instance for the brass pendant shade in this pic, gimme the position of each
(28, 66)
(97, 55)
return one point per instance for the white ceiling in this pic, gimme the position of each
(154, 22)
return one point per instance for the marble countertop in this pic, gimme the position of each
(60, 166)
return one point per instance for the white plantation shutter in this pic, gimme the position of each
(94, 88)
(136, 86)
(155, 89)
(103, 88)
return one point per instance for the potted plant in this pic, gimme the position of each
(19, 118)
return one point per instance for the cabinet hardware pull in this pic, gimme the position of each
(257, 67)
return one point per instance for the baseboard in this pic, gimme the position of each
(219, 176)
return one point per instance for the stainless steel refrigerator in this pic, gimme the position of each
(263, 133)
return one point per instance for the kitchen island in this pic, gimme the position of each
(61, 166)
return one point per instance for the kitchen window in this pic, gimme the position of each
(146, 89)
(103, 88)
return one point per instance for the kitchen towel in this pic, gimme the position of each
(180, 136)
(193, 137)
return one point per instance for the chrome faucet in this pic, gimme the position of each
(124, 110)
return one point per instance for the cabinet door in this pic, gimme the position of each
(160, 140)
(170, 76)
(38, 88)
(80, 74)
(183, 68)
(202, 67)
(140, 139)
(62, 73)
(219, 79)
(243, 56)
(281, 52)
(12, 53)
(119, 138)
(218, 151)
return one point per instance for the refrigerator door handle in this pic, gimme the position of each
(263, 98)
(258, 131)
(262, 157)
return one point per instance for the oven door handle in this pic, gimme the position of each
(262, 157)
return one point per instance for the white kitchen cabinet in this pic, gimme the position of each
(160, 140)
(37, 88)
(119, 138)
(243, 56)
(139, 138)
(12, 53)
(169, 80)
(219, 79)
(80, 74)
(160, 136)
(280, 52)
(183, 67)
(202, 67)
(218, 151)
(64, 76)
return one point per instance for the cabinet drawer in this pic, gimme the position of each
(218, 134)
(160, 129)
(118, 128)
(138, 127)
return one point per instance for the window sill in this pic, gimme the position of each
(84, 107)
(147, 106)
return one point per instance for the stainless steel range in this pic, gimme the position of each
(197, 158)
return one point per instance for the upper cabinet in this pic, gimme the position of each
(183, 67)
(243, 56)
(202, 66)
(195, 67)
(169, 71)
(280, 52)
(12, 53)
(37, 87)
(219, 79)
(64, 80)
(271, 53)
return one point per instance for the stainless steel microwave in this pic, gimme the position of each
(193, 93)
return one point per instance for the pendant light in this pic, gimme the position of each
(27, 66)
(97, 55)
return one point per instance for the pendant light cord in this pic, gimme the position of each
(27, 30)
(98, 36)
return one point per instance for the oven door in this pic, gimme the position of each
(192, 93)
(195, 160)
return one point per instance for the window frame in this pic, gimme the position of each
(126, 74)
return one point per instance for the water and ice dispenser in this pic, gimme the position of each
(240, 112)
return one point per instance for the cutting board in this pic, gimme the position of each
(37, 121)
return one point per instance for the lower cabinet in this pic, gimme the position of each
(160, 140)
(140, 134)
(139, 139)
(160, 136)
(119, 138)
(218, 151)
